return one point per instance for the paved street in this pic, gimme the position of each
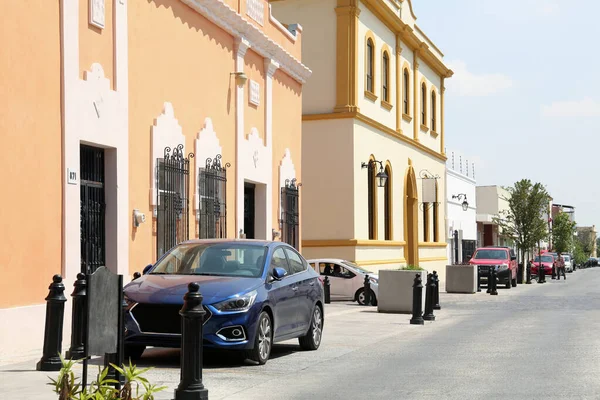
(532, 342)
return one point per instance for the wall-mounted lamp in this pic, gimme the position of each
(240, 78)
(465, 203)
(138, 218)
(381, 175)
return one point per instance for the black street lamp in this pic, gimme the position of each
(381, 175)
(465, 203)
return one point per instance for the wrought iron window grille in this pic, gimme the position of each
(212, 194)
(290, 213)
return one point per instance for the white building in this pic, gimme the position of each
(461, 208)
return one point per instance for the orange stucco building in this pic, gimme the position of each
(132, 126)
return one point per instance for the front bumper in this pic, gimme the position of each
(503, 276)
(160, 326)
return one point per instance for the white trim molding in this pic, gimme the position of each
(228, 19)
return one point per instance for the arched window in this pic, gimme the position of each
(423, 104)
(372, 200)
(388, 203)
(370, 64)
(385, 78)
(433, 111)
(405, 89)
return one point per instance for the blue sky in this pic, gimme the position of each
(524, 101)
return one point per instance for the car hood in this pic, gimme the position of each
(170, 289)
(486, 261)
(545, 264)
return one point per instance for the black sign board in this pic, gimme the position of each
(104, 316)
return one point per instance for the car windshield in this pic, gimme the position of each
(546, 259)
(356, 267)
(218, 259)
(567, 258)
(491, 255)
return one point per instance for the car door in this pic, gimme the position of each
(282, 296)
(304, 283)
(336, 282)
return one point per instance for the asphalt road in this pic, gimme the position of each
(530, 342)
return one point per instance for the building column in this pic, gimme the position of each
(271, 67)
(347, 12)
(416, 90)
(241, 45)
(442, 145)
(399, 104)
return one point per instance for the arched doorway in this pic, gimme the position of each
(411, 232)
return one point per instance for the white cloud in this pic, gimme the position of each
(547, 8)
(574, 108)
(467, 83)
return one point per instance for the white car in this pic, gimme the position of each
(346, 279)
(568, 263)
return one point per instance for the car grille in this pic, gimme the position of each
(485, 269)
(161, 318)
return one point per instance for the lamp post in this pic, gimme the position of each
(381, 175)
(465, 203)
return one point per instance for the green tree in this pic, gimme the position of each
(562, 232)
(524, 220)
(579, 254)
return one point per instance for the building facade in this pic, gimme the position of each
(374, 106)
(461, 203)
(492, 204)
(152, 122)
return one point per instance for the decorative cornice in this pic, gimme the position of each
(271, 66)
(228, 19)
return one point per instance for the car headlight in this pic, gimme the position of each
(502, 267)
(130, 303)
(374, 280)
(238, 303)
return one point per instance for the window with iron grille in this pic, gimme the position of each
(423, 104)
(212, 189)
(370, 64)
(386, 76)
(433, 111)
(290, 213)
(172, 203)
(405, 84)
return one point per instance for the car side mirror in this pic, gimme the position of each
(278, 273)
(146, 269)
(513, 258)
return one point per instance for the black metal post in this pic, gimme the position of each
(55, 311)
(436, 292)
(528, 282)
(494, 291)
(417, 304)
(553, 271)
(489, 282)
(327, 290)
(455, 247)
(78, 319)
(478, 279)
(192, 315)
(367, 291)
(429, 293)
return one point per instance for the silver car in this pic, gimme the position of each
(346, 279)
(568, 263)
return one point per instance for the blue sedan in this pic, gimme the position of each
(255, 293)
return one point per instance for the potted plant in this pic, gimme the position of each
(396, 289)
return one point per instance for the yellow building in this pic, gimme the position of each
(100, 96)
(374, 104)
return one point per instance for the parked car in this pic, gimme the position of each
(568, 262)
(502, 259)
(547, 261)
(255, 293)
(346, 279)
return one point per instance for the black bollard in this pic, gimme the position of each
(327, 290)
(494, 291)
(489, 282)
(55, 312)
(541, 274)
(417, 304)
(192, 316)
(528, 282)
(478, 280)
(553, 271)
(436, 292)
(78, 319)
(429, 295)
(367, 291)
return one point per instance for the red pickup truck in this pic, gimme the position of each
(502, 259)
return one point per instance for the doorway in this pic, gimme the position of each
(92, 208)
(249, 210)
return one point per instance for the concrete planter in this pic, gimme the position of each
(461, 278)
(396, 290)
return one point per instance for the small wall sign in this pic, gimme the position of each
(71, 177)
(97, 13)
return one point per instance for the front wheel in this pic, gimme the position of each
(360, 297)
(312, 339)
(263, 340)
(509, 282)
(133, 352)
(514, 282)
